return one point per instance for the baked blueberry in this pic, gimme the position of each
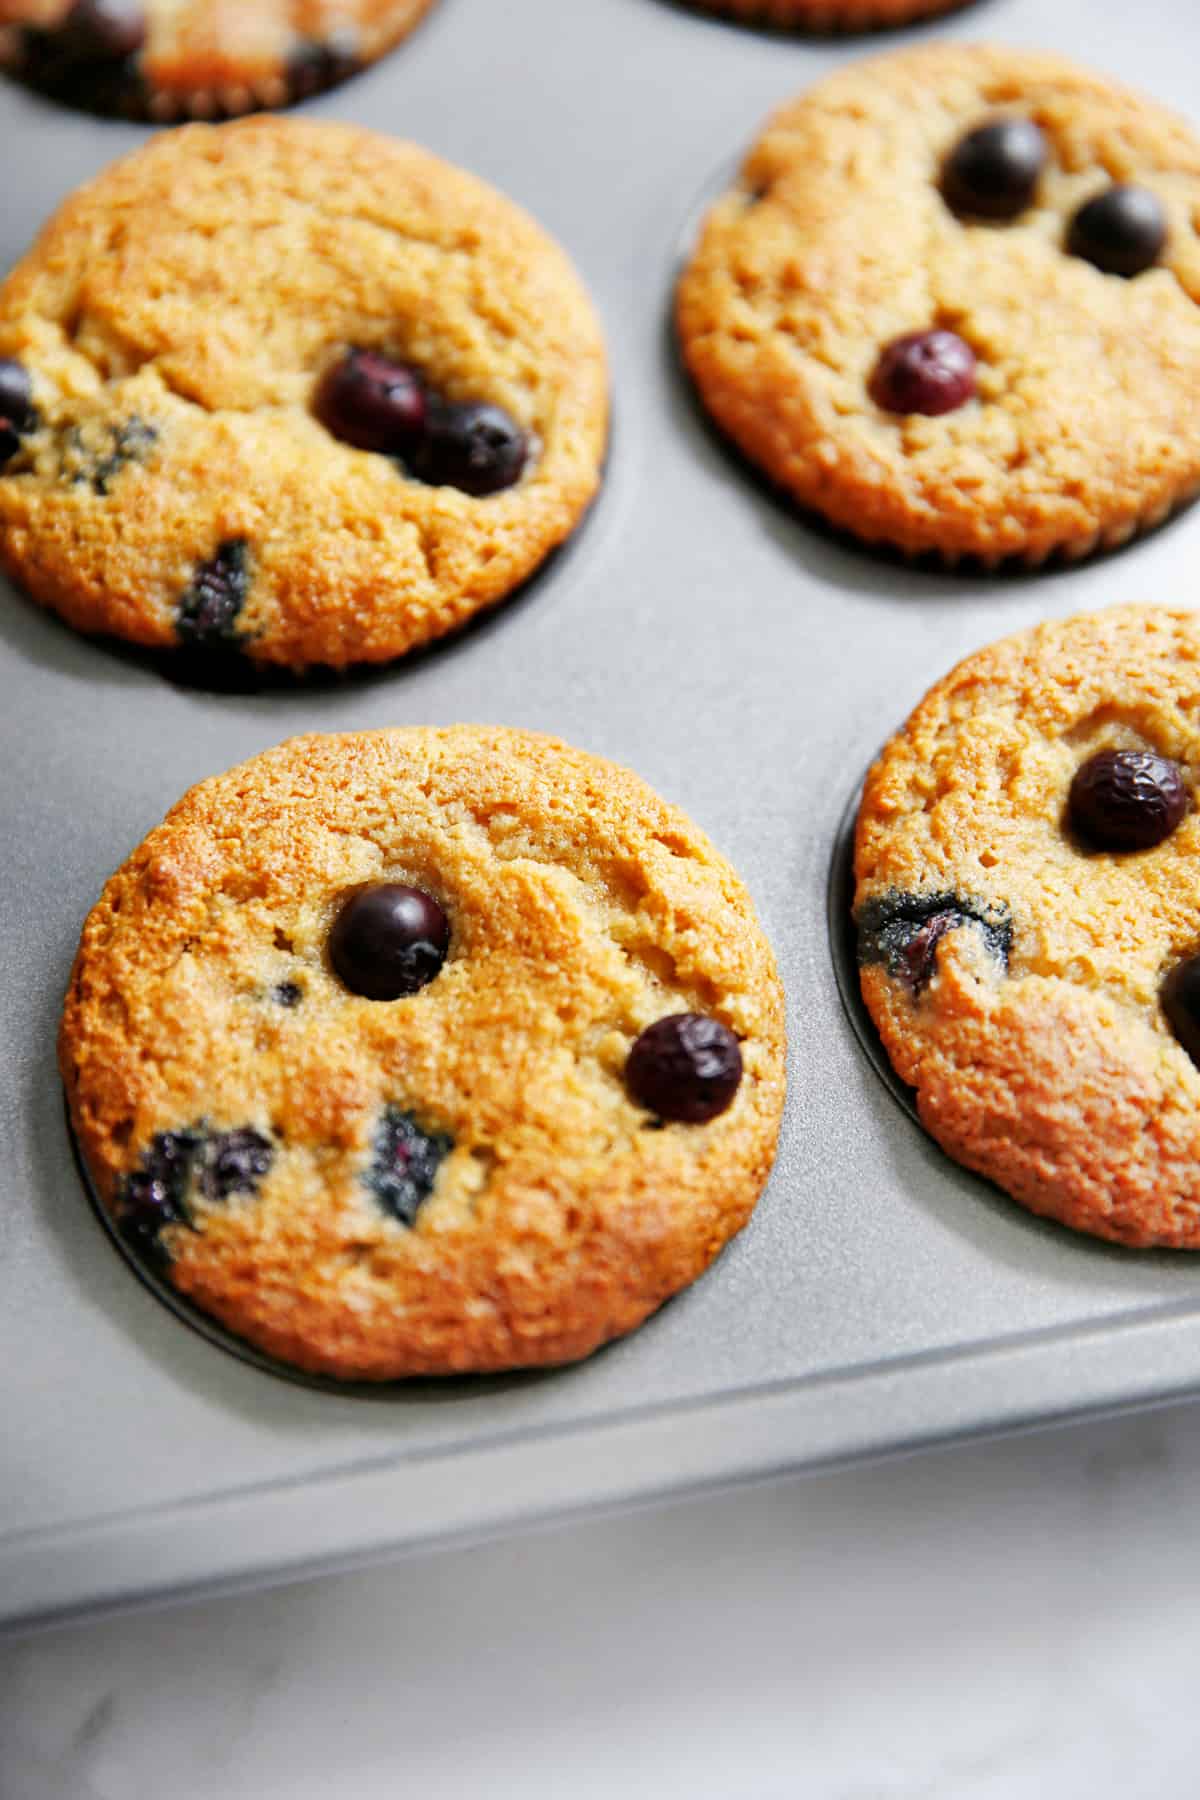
(208, 613)
(405, 1164)
(388, 941)
(1122, 231)
(84, 62)
(373, 403)
(154, 1195)
(128, 443)
(1180, 995)
(320, 64)
(903, 931)
(235, 1162)
(917, 955)
(686, 1067)
(286, 993)
(102, 31)
(16, 396)
(993, 172)
(17, 415)
(1126, 799)
(473, 446)
(929, 372)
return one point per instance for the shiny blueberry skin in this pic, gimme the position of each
(373, 403)
(687, 1067)
(1180, 996)
(1126, 800)
(993, 172)
(16, 396)
(930, 372)
(389, 941)
(103, 31)
(17, 415)
(474, 446)
(1122, 231)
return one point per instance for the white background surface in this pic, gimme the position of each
(986, 1623)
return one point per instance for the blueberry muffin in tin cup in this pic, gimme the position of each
(1028, 917)
(288, 393)
(425, 1051)
(951, 305)
(167, 60)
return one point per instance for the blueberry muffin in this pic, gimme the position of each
(412, 1052)
(831, 15)
(1029, 919)
(291, 392)
(197, 59)
(951, 305)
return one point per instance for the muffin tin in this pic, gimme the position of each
(747, 665)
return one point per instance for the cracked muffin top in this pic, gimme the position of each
(422, 1051)
(951, 305)
(1029, 918)
(291, 392)
(198, 59)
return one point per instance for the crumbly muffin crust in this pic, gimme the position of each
(208, 59)
(1031, 1025)
(836, 241)
(582, 909)
(177, 315)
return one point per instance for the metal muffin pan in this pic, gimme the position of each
(748, 666)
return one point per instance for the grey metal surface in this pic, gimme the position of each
(748, 667)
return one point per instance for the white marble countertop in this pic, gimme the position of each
(984, 1623)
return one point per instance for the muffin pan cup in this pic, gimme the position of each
(748, 666)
